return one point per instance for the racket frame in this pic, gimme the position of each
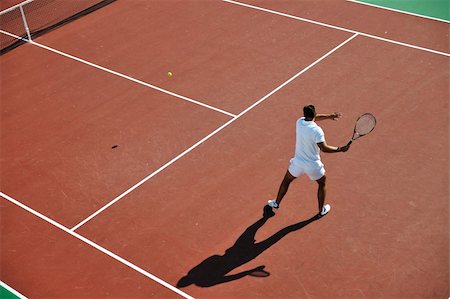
(356, 135)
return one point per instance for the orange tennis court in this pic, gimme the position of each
(121, 181)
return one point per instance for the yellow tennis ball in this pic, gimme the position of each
(169, 74)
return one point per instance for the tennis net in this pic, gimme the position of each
(33, 18)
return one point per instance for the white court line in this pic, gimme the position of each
(119, 74)
(11, 290)
(335, 27)
(235, 117)
(15, 7)
(209, 136)
(96, 246)
(400, 11)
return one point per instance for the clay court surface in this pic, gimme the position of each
(117, 181)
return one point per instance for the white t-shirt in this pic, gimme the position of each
(308, 134)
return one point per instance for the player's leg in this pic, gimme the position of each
(316, 173)
(322, 191)
(321, 195)
(292, 173)
(284, 186)
(287, 180)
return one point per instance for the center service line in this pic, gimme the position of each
(209, 136)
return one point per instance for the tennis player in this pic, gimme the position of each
(310, 140)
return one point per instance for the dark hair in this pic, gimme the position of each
(309, 111)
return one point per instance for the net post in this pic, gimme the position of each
(25, 22)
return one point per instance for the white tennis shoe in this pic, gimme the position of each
(326, 208)
(273, 204)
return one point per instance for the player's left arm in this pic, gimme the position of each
(333, 116)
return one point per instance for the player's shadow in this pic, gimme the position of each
(214, 269)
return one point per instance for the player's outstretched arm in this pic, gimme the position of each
(333, 116)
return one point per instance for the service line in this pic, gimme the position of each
(119, 74)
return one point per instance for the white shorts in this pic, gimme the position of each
(314, 170)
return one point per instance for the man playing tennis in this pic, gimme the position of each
(310, 140)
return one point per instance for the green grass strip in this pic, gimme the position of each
(5, 294)
(431, 8)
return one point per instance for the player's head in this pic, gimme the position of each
(309, 111)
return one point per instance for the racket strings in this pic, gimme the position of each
(365, 124)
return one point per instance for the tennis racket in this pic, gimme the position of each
(364, 125)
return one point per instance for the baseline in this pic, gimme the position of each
(335, 27)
